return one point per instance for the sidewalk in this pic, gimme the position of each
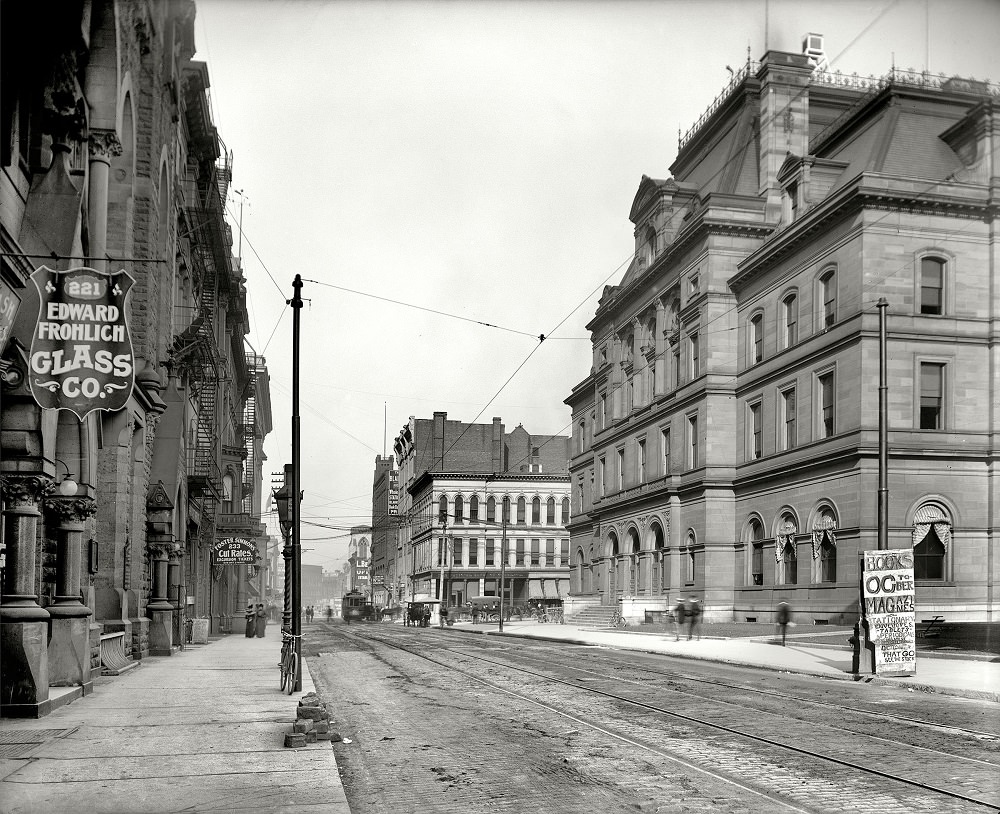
(200, 731)
(965, 677)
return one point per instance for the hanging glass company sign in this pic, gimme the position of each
(887, 589)
(234, 551)
(81, 350)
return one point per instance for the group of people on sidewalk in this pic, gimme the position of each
(256, 620)
(687, 612)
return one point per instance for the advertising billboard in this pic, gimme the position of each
(887, 599)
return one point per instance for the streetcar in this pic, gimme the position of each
(356, 607)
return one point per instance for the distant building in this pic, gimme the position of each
(388, 574)
(359, 559)
(473, 496)
(726, 439)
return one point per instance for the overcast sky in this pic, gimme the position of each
(476, 159)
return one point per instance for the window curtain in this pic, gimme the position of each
(824, 526)
(785, 536)
(928, 517)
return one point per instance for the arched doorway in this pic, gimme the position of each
(660, 581)
(614, 578)
(632, 540)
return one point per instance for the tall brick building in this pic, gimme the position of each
(473, 494)
(387, 566)
(112, 162)
(726, 439)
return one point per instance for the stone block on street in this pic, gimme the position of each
(302, 726)
(316, 713)
(294, 740)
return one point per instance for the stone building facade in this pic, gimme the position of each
(387, 562)
(473, 496)
(726, 439)
(111, 161)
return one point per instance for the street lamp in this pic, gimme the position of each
(283, 501)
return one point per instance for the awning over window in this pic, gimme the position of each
(562, 587)
(535, 589)
(549, 589)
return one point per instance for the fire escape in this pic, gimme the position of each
(197, 348)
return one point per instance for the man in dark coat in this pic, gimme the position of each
(783, 616)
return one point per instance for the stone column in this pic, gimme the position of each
(103, 145)
(69, 642)
(24, 679)
(174, 594)
(159, 610)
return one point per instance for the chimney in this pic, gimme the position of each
(784, 119)
(496, 451)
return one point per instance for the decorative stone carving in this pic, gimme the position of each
(104, 144)
(25, 492)
(64, 115)
(71, 510)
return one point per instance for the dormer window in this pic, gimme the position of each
(694, 282)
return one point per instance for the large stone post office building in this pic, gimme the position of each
(726, 438)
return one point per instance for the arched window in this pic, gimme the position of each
(827, 561)
(474, 509)
(790, 320)
(536, 511)
(506, 509)
(789, 569)
(824, 545)
(443, 509)
(931, 538)
(828, 297)
(227, 493)
(521, 504)
(755, 535)
(689, 542)
(459, 509)
(928, 558)
(565, 510)
(491, 509)
(550, 512)
(931, 285)
(756, 339)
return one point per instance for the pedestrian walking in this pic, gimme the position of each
(427, 616)
(261, 622)
(679, 613)
(251, 620)
(783, 617)
(693, 614)
(442, 616)
(329, 613)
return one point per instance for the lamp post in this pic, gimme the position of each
(282, 499)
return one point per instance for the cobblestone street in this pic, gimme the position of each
(438, 722)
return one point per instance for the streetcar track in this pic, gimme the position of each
(868, 713)
(769, 797)
(577, 685)
(945, 728)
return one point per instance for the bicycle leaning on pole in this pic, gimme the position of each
(288, 663)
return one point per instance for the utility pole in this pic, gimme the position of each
(883, 431)
(296, 496)
(504, 509)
